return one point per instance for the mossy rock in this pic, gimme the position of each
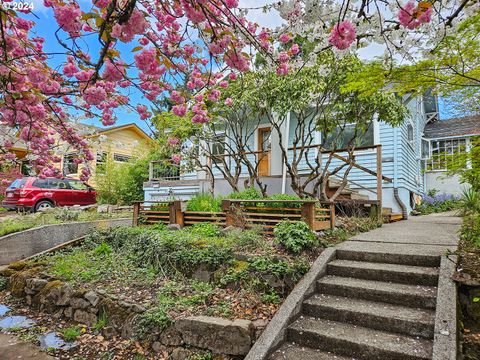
(79, 293)
(50, 285)
(117, 315)
(7, 272)
(18, 280)
(17, 265)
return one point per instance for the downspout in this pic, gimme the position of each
(395, 175)
(284, 166)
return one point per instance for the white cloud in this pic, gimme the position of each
(270, 19)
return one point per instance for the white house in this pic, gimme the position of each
(404, 160)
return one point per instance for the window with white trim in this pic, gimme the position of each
(444, 151)
(343, 135)
(121, 158)
(218, 148)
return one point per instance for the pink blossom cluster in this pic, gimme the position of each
(68, 17)
(412, 16)
(173, 141)
(343, 35)
(136, 25)
(176, 158)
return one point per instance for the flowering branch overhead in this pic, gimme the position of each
(202, 44)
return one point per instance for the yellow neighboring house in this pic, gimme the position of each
(118, 143)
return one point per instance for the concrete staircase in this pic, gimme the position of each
(368, 306)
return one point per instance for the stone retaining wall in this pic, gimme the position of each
(23, 244)
(226, 338)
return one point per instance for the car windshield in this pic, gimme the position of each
(17, 184)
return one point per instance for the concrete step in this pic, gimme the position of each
(375, 315)
(390, 258)
(356, 341)
(358, 196)
(291, 351)
(392, 293)
(404, 274)
(395, 217)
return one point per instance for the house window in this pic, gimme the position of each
(70, 166)
(101, 162)
(410, 134)
(121, 158)
(344, 136)
(425, 149)
(218, 149)
(444, 151)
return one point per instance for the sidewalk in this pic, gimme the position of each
(433, 234)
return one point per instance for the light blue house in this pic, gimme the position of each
(402, 159)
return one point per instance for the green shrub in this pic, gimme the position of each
(248, 194)
(470, 201)
(205, 202)
(205, 229)
(103, 249)
(295, 236)
(249, 238)
(284, 197)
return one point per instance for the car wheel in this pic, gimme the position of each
(43, 205)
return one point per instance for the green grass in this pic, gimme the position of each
(71, 333)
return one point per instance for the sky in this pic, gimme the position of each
(46, 27)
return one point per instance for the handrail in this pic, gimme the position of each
(268, 201)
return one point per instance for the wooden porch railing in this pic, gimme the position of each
(240, 213)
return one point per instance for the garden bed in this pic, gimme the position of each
(468, 278)
(148, 282)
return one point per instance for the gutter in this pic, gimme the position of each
(284, 167)
(395, 175)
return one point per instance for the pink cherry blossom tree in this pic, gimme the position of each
(193, 42)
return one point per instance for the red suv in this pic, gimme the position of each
(31, 193)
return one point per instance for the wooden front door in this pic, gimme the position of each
(264, 148)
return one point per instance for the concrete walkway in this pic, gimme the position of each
(434, 234)
(384, 294)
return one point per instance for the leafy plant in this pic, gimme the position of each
(103, 249)
(205, 229)
(71, 333)
(470, 201)
(3, 283)
(201, 356)
(250, 193)
(205, 202)
(295, 236)
(101, 322)
(284, 197)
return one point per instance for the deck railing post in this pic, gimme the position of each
(136, 212)
(308, 214)
(176, 210)
(379, 181)
(332, 215)
(226, 208)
